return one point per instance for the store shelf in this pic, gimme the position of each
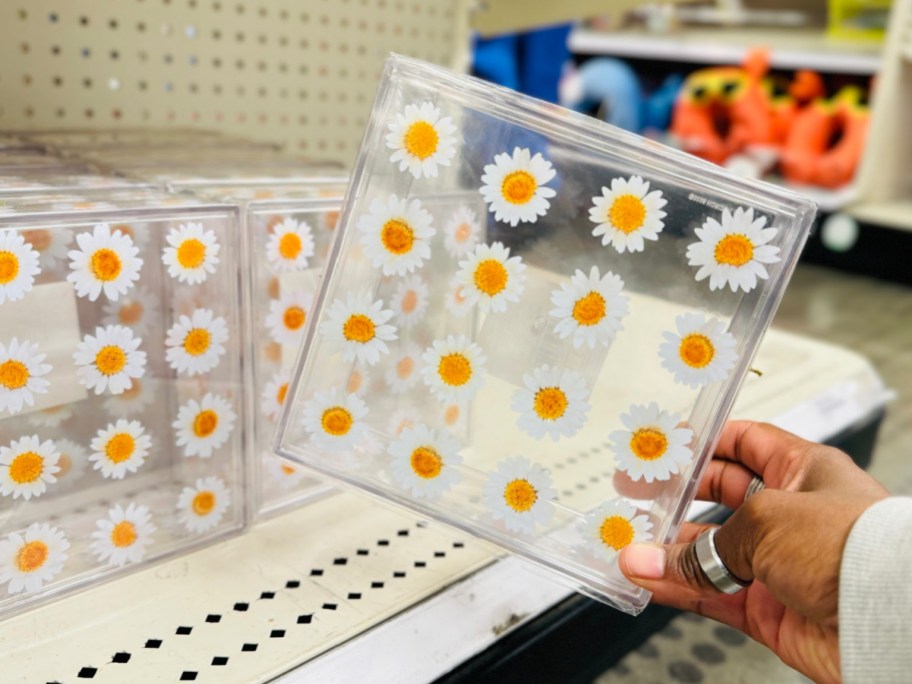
(789, 49)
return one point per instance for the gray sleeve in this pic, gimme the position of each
(875, 595)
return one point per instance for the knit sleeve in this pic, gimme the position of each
(875, 595)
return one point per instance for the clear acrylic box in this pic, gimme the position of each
(573, 369)
(121, 404)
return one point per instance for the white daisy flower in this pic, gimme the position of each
(273, 398)
(109, 360)
(651, 446)
(455, 299)
(192, 254)
(52, 416)
(204, 426)
(733, 252)
(71, 461)
(403, 372)
(359, 381)
(628, 214)
(518, 493)
(462, 232)
(410, 301)
(514, 186)
(454, 368)
(454, 416)
(120, 448)
(27, 467)
(203, 505)
(491, 278)
(131, 402)
(359, 327)
(612, 526)
(30, 559)
(52, 246)
(288, 316)
(21, 371)
(137, 310)
(553, 402)
(290, 246)
(335, 420)
(401, 419)
(700, 352)
(396, 235)
(421, 140)
(423, 461)
(590, 308)
(18, 266)
(123, 536)
(105, 261)
(196, 343)
(282, 471)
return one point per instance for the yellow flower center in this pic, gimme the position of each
(287, 469)
(120, 447)
(405, 367)
(203, 503)
(520, 495)
(130, 313)
(421, 140)
(280, 395)
(696, 350)
(462, 233)
(294, 317)
(734, 250)
(518, 187)
(26, 467)
(110, 360)
(451, 414)
(491, 277)
(648, 444)
(106, 264)
(359, 328)
(123, 534)
(409, 301)
(32, 555)
(191, 253)
(39, 239)
(397, 236)
(9, 267)
(589, 310)
(205, 423)
(550, 403)
(13, 374)
(197, 341)
(426, 462)
(627, 213)
(454, 369)
(355, 381)
(64, 464)
(616, 532)
(337, 421)
(290, 246)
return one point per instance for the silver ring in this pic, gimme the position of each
(755, 486)
(712, 564)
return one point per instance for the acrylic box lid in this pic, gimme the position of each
(553, 357)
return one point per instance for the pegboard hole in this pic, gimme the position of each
(305, 619)
(277, 634)
(121, 657)
(87, 673)
(219, 660)
(249, 648)
(153, 643)
(267, 595)
(330, 606)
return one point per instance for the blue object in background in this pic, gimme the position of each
(531, 62)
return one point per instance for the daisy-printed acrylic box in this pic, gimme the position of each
(617, 291)
(121, 411)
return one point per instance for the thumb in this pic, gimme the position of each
(671, 572)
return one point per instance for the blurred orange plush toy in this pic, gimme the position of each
(722, 110)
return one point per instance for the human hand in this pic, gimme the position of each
(787, 538)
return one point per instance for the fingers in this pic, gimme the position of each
(761, 448)
(725, 482)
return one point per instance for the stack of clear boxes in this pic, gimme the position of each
(585, 313)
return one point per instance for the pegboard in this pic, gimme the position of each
(298, 73)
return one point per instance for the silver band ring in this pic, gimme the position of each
(712, 564)
(755, 486)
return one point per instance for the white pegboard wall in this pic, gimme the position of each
(298, 73)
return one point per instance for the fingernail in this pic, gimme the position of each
(645, 561)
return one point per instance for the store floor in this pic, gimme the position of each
(868, 316)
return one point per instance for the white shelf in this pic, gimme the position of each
(789, 49)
